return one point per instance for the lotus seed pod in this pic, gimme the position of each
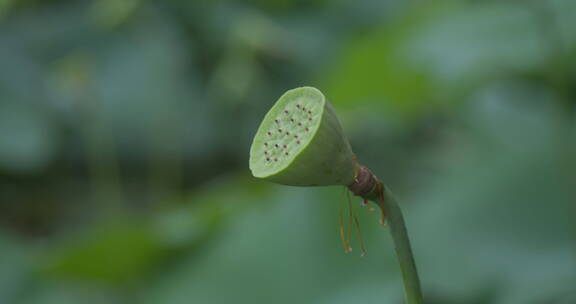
(300, 143)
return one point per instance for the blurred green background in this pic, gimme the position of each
(125, 127)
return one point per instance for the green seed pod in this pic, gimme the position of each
(300, 143)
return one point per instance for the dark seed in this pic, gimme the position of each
(268, 158)
(285, 146)
(310, 118)
(285, 153)
(298, 142)
(266, 152)
(286, 111)
(279, 130)
(298, 106)
(307, 129)
(287, 133)
(295, 136)
(269, 133)
(266, 144)
(275, 159)
(276, 145)
(292, 119)
(309, 112)
(300, 124)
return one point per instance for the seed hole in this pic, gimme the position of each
(266, 152)
(292, 119)
(279, 130)
(285, 146)
(295, 136)
(275, 159)
(287, 133)
(285, 153)
(276, 145)
(268, 158)
(269, 133)
(307, 129)
(299, 124)
(298, 142)
(310, 118)
(266, 144)
(309, 112)
(298, 106)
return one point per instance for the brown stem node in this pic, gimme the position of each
(364, 184)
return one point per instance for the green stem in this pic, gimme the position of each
(403, 249)
(369, 187)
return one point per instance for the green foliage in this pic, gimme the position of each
(125, 130)
(390, 77)
(115, 254)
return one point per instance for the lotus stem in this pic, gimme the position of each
(369, 187)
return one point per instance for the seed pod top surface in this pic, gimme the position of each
(300, 142)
